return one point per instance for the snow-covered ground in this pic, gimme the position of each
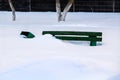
(46, 58)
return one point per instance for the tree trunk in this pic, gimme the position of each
(13, 10)
(113, 5)
(67, 8)
(58, 9)
(62, 16)
(29, 5)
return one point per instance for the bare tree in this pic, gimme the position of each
(62, 16)
(13, 10)
(29, 5)
(58, 9)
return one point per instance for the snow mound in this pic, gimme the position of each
(54, 69)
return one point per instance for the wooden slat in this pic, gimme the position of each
(72, 33)
(78, 38)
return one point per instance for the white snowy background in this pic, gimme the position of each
(47, 58)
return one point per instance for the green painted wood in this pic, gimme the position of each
(93, 37)
(72, 33)
(93, 43)
(78, 38)
(27, 34)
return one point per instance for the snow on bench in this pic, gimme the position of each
(93, 37)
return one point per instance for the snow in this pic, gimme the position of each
(46, 58)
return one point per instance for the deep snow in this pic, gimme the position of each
(46, 58)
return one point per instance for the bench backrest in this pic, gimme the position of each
(75, 35)
(93, 37)
(72, 33)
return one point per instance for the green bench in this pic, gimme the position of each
(93, 37)
(27, 34)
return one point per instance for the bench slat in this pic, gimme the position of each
(72, 33)
(78, 38)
